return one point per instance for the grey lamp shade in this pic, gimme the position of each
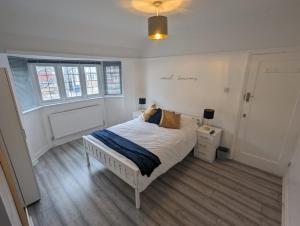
(208, 113)
(158, 27)
(142, 100)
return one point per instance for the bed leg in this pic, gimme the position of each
(87, 159)
(137, 199)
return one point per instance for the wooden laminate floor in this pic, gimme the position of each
(191, 193)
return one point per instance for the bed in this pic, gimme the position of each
(170, 145)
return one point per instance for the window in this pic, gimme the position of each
(112, 78)
(48, 82)
(71, 81)
(40, 81)
(91, 79)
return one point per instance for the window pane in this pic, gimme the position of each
(48, 82)
(72, 81)
(91, 79)
(112, 79)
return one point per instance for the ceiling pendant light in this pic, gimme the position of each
(157, 25)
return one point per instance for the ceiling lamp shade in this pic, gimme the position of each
(157, 27)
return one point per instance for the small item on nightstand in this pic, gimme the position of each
(222, 153)
(212, 131)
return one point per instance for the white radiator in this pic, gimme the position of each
(76, 120)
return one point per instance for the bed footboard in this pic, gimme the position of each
(115, 164)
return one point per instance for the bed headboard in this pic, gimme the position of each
(189, 115)
(197, 119)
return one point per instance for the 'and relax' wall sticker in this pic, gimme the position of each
(180, 78)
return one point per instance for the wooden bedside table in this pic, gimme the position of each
(207, 143)
(136, 114)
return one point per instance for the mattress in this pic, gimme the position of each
(170, 145)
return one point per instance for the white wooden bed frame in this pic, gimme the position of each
(123, 170)
(114, 163)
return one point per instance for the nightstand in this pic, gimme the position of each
(207, 143)
(137, 113)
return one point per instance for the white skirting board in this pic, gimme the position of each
(35, 157)
(39, 153)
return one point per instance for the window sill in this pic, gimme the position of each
(53, 104)
(113, 96)
(31, 110)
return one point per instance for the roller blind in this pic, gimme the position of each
(23, 83)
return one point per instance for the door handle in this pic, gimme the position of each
(247, 96)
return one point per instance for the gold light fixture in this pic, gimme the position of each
(147, 6)
(157, 25)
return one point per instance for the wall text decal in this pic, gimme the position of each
(167, 77)
(180, 78)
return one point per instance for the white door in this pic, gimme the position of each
(270, 122)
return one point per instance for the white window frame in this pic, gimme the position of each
(66, 98)
(112, 63)
(37, 83)
(61, 84)
(99, 76)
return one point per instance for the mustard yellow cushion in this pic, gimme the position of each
(151, 110)
(170, 120)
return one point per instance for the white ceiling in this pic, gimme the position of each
(106, 28)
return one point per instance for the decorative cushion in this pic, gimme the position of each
(151, 110)
(170, 120)
(156, 117)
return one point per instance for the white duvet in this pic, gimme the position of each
(169, 145)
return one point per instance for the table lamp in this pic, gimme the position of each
(208, 115)
(142, 103)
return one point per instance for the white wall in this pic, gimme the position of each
(214, 73)
(119, 109)
(38, 130)
(36, 137)
(293, 190)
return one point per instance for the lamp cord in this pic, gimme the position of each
(157, 5)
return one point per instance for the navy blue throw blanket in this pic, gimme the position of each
(144, 159)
